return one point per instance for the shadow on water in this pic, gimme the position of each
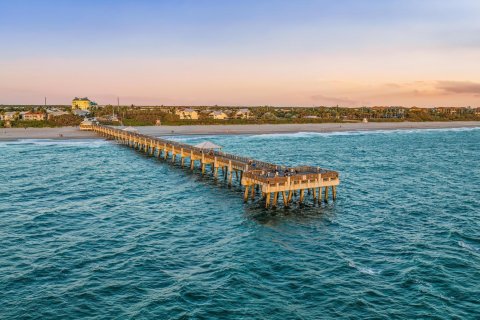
(206, 179)
(304, 214)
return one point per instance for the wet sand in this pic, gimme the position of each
(75, 133)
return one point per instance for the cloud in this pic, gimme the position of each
(459, 87)
(333, 100)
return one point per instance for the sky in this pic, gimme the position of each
(250, 52)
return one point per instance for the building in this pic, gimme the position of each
(242, 114)
(81, 113)
(187, 114)
(82, 103)
(9, 116)
(34, 116)
(219, 115)
(55, 113)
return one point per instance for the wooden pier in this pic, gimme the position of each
(273, 181)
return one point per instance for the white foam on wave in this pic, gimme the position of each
(364, 270)
(467, 246)
(309, 134)
(186, 138)
(54, 142)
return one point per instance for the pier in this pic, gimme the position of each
(268, 180)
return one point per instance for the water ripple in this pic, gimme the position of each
(91, 229)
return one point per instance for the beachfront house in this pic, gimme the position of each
(82, 103)
(218, 115)
(9, 116)
(187, 114)
(55, 113)
(243, 114)
(34, 116)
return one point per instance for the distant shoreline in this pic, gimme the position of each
(67, 133)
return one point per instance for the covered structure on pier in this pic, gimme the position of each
(130, 129)
(207, 145)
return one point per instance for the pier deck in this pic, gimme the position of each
(254, 175)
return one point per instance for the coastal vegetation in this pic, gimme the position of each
(37, 117)
(59, 121)
(144, 116)
(14, 116)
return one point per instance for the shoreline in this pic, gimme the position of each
(70, 133)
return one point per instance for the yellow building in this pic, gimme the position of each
(187, 114)
(82, 103)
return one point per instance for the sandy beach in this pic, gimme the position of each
(293, 128)
(45, 133)
(75, 133)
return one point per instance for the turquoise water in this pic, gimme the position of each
(91, 229)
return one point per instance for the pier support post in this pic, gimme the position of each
(275, 198)
(245, 194)
(334, 192)
(230, 172)
(267, 200)
(326, 195)
(302, 193)
(290, 194)
(285, 200)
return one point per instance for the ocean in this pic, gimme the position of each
(92, 229)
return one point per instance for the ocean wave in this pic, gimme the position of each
(109, 229)
(364, 270)
(188, 138)
(310, 134)
(467, 246)
(55, 142)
